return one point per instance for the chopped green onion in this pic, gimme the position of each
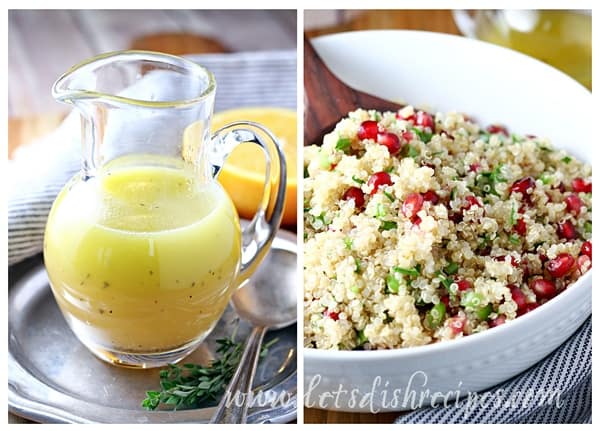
(587, 227)
(484, 312)
(324, 161)
(392, 283)
(380, 211)
(306, 174)
(355, 289)
(343, 144)
(516, 138)
(357, 180)
(348, 242)
(389, 170)
(451, 268)
(322, 219)
(435, 316)
(423, 136)
(472, 300)
(514, 239)
(389, 196)
(546, 178)
(377, 116)
(388, 225)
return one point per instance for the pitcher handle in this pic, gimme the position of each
(261, 231)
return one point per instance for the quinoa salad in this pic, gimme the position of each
(421, 228)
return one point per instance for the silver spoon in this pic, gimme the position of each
(267, 301)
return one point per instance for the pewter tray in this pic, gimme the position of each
(54, 378)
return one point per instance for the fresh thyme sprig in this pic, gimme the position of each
(191, 385)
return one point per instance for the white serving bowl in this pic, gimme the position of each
(494, 85)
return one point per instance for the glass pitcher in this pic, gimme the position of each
(143, 247)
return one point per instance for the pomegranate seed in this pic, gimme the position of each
(518, 296)
(580, 186)
(431, 196)
(464, 285)
(574, 203)
(390, 140)
(474, 167)
(424, 119)
(584, 263)
(496, 128)
(561, 187)
(408, 136)
(356, 194)
(471, 201)
(409, 118)
(457, 324)
(368, 130)
(412, 205)
(331, 314)
(379, 179)
(566, 230)
(500, 320)
(520, 227)
(586, 249)
(511, 259)
(560, 265)
(416, 221)
(524, 186)
(543, 288)
(445, 300)
(530, 307)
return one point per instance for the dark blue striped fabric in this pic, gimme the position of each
(566, 372)
(36, 176)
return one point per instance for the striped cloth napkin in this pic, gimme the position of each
(40, 170)
(565, 373)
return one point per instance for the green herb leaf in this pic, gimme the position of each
(411, 151)
(348, 242)
(362, 338)
(451, 268)
(514, 239)
(343, 144)
(423, 136)
(587, 227)
(567, 160)
(389, 196)
(357, 180)
(513, 215)
(357, 268)
(388, 225)
(196, 386)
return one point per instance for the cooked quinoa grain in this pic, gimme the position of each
(424, 229)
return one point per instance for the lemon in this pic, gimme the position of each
(243, 175)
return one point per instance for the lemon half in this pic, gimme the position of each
(243, 175)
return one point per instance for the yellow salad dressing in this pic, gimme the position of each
(142, 257)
